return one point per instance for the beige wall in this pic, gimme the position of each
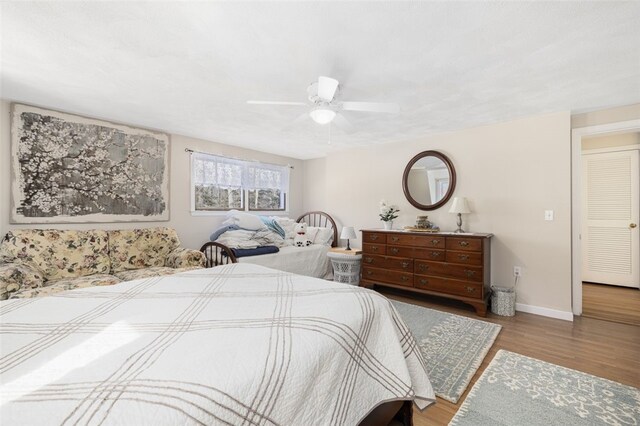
(193, 230)
(606, 116)
(511, 173)
(418, 181)
(611, 141)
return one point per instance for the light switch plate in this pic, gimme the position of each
(548, 215)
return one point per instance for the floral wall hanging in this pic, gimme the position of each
(71, 169)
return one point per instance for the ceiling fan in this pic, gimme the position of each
(326, 107)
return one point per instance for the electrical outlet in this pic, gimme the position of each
(548, 215)
(517, 271)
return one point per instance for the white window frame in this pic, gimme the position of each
(245, 190)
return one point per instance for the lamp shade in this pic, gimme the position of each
(460, 205)
(348, 233)
(322, 115)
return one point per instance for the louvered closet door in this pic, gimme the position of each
(610, 233)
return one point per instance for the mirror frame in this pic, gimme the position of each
(452, 180)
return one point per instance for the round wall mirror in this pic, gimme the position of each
(429, 180)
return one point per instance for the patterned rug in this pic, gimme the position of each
(452, 346)
(518, 390)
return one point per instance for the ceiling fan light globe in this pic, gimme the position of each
(322, 115)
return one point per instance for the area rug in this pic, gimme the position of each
(453, 346)
(518, 390)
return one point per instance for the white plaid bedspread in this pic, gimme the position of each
(239, 344)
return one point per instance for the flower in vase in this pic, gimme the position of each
(387, 212)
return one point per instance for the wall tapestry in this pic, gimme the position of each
(71, 169)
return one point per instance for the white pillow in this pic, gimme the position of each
(311, 233)
(288, 225)
(244, 220)
(322, 235)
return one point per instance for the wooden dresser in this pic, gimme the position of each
(443, 264)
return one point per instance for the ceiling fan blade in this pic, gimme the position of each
(371, 107)
(344, 124)
(275, 103)
(327, 87)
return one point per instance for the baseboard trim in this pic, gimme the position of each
(545, 312)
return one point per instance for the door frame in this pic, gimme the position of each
(576, 199)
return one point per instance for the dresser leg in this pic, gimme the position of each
(481, 308)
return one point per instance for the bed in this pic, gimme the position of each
(311, 261)
(237, 344)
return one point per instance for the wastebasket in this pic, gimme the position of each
(503, 301)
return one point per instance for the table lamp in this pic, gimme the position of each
(348, 233)
(460, 207)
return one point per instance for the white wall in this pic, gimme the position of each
(511, 173)
(193, 230)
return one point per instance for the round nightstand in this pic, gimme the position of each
(346, 266)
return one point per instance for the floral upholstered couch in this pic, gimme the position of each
(38, 262)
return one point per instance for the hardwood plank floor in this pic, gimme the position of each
(605, 349)
(611, 303)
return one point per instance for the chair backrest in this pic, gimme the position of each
(217, 254)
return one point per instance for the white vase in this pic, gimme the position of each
(388, 225)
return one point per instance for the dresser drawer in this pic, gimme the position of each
(448, 286)
(416, 240)
(374, 237)
(465, 257)
(430, 268)
(387, 276)
(429, 254)
(448, 270)
(416, 252)
(374, 248)
(388, 262)
(471, 273)
(464, 244)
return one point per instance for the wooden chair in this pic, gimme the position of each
(217, 254)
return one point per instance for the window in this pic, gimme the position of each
(220, 184)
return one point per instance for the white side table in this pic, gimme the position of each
(346, 265)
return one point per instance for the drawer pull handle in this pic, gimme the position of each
(470, 289)
(369, 259)
(424, 282)
(394, 250)
(423, 267)
(369, 272)
(373, 237)
(374, 248)
(470, 273)
(463, 256)
(435, 254)
(405, 279)
(394, 239)
(435, 242)
(405, 265)
(464, 243)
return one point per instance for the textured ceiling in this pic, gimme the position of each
(188, 68)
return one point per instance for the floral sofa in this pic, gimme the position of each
(38, 262)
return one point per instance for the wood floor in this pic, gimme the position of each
(611, 303)
(606, 349)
